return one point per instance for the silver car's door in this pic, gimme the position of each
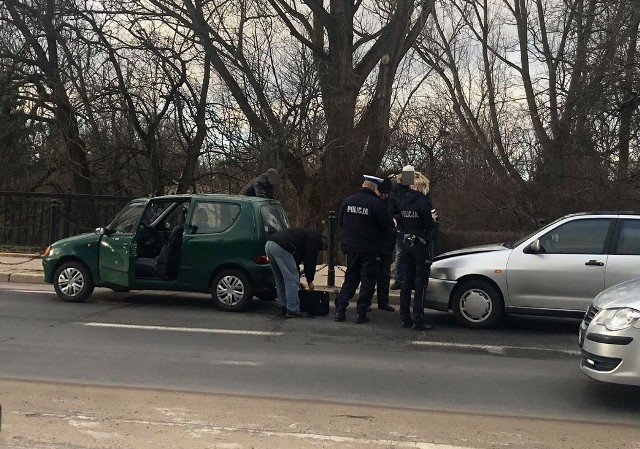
(624, 260)
(568, 271)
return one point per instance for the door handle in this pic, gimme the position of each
(594, 263)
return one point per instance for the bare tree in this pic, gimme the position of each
(41, 26)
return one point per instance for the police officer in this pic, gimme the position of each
(364, 220)
(417, 224)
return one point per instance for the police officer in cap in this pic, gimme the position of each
(364, 220)
(417, 224)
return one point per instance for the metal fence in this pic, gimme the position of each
(33, 220)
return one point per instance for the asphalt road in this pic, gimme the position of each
(526, 368)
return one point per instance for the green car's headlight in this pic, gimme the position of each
(619, 319)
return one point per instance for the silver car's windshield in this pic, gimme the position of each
(512, 245)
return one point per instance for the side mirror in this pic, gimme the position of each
(535, 247)
(102, 231)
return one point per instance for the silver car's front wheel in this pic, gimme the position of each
(232, 290)
(477, 303)
(73, 282)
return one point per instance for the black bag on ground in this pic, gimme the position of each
(314, 303)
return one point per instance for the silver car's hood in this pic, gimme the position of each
(626, 294)
(473, 250)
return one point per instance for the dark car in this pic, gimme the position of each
(195, 243)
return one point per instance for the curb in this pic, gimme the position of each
(24, 278)
(38, 278)
(394, 295)
(27, 278)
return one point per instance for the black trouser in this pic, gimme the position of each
(416, 275)
(362, 269)
(383, 282)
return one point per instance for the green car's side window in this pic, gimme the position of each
(127, 218)
(212, 217)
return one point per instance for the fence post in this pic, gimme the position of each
(54, 219)
(66, 217)
(331, 269)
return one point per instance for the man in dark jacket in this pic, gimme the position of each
(287, 249)
(417, 225)
(263, 185)
(383, 279)
(398, 190)
(364, 220)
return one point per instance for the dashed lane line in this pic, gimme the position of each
(195, 330)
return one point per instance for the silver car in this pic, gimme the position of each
(610, 335)
(555, 271)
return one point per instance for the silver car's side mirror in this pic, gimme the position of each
(535, 246)
(100, 231)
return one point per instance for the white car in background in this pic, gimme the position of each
(556, 271)
(610, 335)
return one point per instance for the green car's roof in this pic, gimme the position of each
(207, 196)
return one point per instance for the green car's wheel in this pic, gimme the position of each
(73, 282)
(232, 290)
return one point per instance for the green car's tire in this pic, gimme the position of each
(73, 282)
(232, 290)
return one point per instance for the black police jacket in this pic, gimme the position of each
(399, 190)
(304, 244)
(415, 214)
(392, 203)
(259, 186)
(364, 220)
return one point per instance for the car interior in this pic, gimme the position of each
(159, 240)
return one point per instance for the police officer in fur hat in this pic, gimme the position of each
(364, 220)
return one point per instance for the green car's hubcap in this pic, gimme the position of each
(476, 305)
(71, 282)
(230, 290)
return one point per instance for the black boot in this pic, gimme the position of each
(386, 307)
(340, 316)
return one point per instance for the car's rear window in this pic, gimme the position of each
(273, 218)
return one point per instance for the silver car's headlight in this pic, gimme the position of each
(618, 319)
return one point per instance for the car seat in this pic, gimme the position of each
(166, 265)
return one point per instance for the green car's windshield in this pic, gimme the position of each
(126, 220)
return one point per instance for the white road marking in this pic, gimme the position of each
(27, 291)
(234, 363)
(195, 330)
(493, 349)
(202, 426)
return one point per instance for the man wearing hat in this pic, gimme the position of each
(364, 220)
(263, 185)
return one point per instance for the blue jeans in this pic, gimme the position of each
(399, 259)
(286, 274)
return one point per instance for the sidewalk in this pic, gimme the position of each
(23, 268)
(27, 268)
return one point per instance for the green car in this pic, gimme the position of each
(194, 243)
